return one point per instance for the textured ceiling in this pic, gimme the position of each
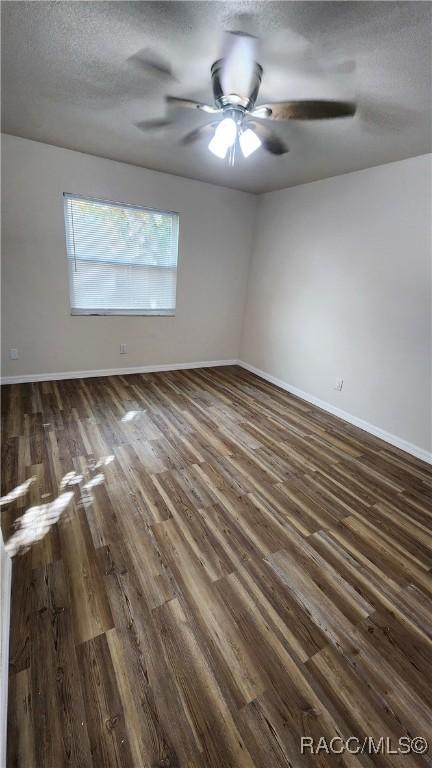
(70, 79)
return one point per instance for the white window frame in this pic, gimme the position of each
(171, 312)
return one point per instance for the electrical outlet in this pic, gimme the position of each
(339, 384)
(123, 349)
(13, 354)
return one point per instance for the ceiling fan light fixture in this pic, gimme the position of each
(217, 148)
(236, 79)
(249, 142)
(224, 137)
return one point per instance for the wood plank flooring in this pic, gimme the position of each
(236, 569)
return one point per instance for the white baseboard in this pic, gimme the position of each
(30, 377)
(5, 595)
(388, 437)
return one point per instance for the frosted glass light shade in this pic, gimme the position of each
(249, 142)
(224, 137)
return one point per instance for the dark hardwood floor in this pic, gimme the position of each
(236, 569)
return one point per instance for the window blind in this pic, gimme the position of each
(122, 258)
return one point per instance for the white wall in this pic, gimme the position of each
(340, 285)
(214, 249)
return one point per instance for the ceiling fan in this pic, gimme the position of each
(237, 120)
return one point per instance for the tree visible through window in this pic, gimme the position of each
(122, 258)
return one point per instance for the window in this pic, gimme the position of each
(122, 258)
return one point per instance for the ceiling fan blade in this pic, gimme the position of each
(262, 112)
(151, 63)
(239, 53)
(305, 110)
(153, 125)
(174, 101)
(203, 132)
(270, 141)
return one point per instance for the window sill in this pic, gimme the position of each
(124, 312)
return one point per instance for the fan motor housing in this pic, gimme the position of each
(234, 99)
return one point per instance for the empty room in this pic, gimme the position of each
(216, 390)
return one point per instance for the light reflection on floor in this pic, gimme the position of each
(131, 415)
(37, 520)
